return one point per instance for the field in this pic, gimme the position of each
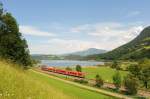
(18, 84)
(105, 72)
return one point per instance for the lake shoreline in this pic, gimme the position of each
(65, 63)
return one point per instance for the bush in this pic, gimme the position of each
(130, 84)
(99, 82)
(141, 71)
(145, 72)
(117, 80)
(115, 65)
(78, 68)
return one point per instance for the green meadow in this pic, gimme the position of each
(16, 83)
(105, 72)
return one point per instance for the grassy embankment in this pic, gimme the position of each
(18, 84)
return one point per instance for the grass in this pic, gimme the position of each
(105, 72)
(18, 84)
(70, 90)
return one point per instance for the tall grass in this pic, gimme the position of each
(15, 83)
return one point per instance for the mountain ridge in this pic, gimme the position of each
(87, 52)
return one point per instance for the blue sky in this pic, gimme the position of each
(62, 26)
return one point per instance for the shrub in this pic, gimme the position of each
(99, 82)
(78, 68)
(115, 65)
(117, 80)
(130, 84)
(141, 71)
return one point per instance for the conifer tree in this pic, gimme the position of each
(12, 45)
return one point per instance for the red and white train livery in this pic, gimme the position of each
(64, 72)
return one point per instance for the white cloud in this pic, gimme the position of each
(74, 45)
(109, 35)
(115, 32)
(33, 31)
(59, 46)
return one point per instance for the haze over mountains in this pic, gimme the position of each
(138, 48)
(90, 51)
(73, 56)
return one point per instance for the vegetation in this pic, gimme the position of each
(141, 71)
(82, 81)
(136, 49)
(73, 57)
(12, 45)
(105, 72)
(20, 84)
(78, 68)
(46, 57)
(145, 72)
(115, 65)
(130, 84)
(98, 81)
(87, 52)
(117, 80)
(68, 68)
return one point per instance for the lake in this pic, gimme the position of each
(70, 63)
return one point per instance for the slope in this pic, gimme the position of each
(18, 84)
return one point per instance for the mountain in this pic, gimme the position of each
(136, 49)
(87, 52)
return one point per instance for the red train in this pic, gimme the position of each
(64, 72)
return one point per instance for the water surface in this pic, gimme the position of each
(70, 63)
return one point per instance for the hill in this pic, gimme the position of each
(70, 56)
(19, 84)
(136, 49)
(87, 52)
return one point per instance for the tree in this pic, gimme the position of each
(141, 71)
(78, 68)
(135, 70)
(117, 80)
(115, 65)
(145, 72)
(130, 84)
(98, 80)
(12, 45)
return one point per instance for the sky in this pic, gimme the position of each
(65, 26)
